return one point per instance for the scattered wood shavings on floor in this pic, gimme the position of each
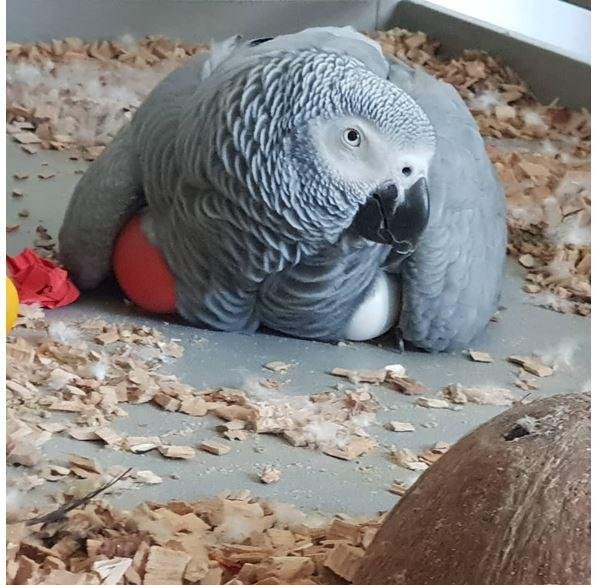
(70, 96)
(222, 540)
(549, 225)
(91, 370)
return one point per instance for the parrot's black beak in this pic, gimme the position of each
(394, 218)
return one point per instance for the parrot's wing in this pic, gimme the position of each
(452, 282)
(105, 197)
(113, 187)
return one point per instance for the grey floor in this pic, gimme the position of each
(310, 480)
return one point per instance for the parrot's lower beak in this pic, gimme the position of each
(390, 218)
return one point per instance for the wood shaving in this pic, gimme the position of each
(29, 149)
(532, 365)
(112, 570)
(404, 385)
(279, 367)
(407, 459)
(141, 444)
(526, 260)
(235, 435)
(432, 455)
(270, 475)
(146, 476)
(427, 402)
(344, 560)
(194, 406)
(215, 448)
(165, 566)
(177, 452)
(400, 427)
(26, 138)
(352, 450)
(358, 376)
(399, 488)
(480, 356)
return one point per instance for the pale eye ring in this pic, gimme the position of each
(352, 137)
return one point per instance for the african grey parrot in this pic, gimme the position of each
(306, 183)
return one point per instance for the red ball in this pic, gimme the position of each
(141, 270)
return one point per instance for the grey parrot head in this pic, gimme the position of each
(325, 142)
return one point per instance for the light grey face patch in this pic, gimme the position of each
(356, 153)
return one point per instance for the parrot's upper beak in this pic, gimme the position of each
(389, 217)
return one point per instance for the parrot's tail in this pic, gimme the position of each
(107, 195)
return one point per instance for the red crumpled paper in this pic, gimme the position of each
(38, 280)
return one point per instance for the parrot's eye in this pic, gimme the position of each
(352, 137)
(406, 171)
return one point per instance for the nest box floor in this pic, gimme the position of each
(310, 479)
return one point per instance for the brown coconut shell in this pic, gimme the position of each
(509, 504)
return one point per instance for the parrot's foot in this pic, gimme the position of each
(378, 313)
(399, 340)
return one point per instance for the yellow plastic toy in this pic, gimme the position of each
(12, 304)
